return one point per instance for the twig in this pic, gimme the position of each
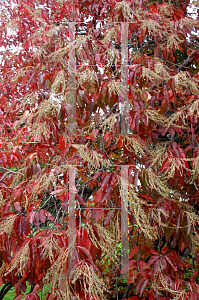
(9, 171)
(186, 64)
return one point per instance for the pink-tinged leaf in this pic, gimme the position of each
(156, 265)
(58, 191)
(98, 214)
(32, 156)
(169, 281)
(37, 220)
(105, 180)
(86, 252)
(98, 196)
(107, 194)
(50, 296)
(98, 58)
(165, 53)
(133, 252)
(172, 263)
(6, 207)
(141, 286)
(31, 217)
(137, 122)
(18, 287)
(36, 288)
(192, 130)
(108, 217)
(18, 297)
(171, 132)
(42, 216)
(17, 206)
(80, 199)
(96, 175)
(152, 260)
(50, 217)
(3, 186)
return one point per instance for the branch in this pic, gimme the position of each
(185, 64)
(5, 289)
(5, 94)
(9, 171)
(127, 290)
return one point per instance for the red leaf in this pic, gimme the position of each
(98, 196)
(18, 297)
(108, 217)
(31, 217)
(3, 186)
(98, 58)
(171, 262)
(171, 132)
(86, 252)
(50, 296)
(80, 199)
(35, 289)
(165, 165)
(152, 260)
(42, 216)
(58, 191)
(96, 175)
(85, 241)
(98, 214)
(164, 53)
(50, 217)
(105, 180)
(133, 252)
(62, 147)
(146, 197)
(164, 106)
(120, 143)
(141, 286)
(143, 266)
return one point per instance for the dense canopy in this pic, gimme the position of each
(99, 160)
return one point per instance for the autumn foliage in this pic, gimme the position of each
(99, 114)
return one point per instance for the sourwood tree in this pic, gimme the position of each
(99, 160)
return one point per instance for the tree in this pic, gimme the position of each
(99, 149)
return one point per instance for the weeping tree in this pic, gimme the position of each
(99, 122)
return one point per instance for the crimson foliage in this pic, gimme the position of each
(71, 131)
